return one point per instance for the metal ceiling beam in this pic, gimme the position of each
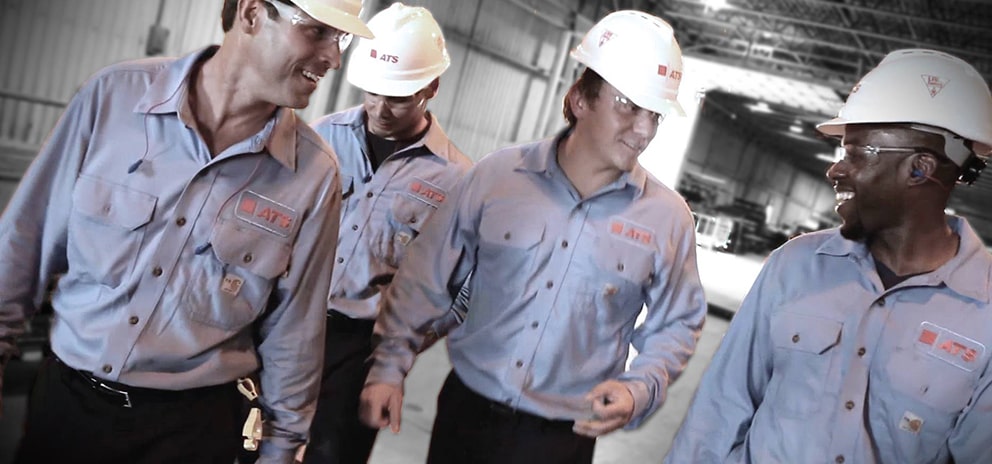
(892, 14)
(874, 35)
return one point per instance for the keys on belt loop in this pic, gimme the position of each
(251, 431)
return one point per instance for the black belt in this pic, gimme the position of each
(339, 322)
(500, 411)
(127, 396)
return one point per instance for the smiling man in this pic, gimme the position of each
(187, 212)
(398, 167)
(869, 343)
(566, 239)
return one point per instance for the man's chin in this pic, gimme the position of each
(852, 231)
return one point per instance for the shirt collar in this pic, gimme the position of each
(167, 94)
(967, 273)
(544, 159)
(435, 140)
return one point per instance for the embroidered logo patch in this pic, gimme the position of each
(265, 213)
(631, 232)
(427, 192)
(949, 346)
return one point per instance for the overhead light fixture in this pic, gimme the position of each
(759, 107)
(715, 4)
(796, 129)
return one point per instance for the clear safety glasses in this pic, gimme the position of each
(868, 154)
(625, 107)
(313, 29)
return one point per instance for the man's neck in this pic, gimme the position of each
(917, 249)
(222, 106)
(577, 163)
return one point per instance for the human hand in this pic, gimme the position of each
(381, 405)
(612, 406)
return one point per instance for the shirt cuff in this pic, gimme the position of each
(642, 399)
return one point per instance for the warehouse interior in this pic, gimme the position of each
(759, 75)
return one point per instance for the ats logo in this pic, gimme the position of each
(949, 346)
(675, 74)
(631, 232)
(427, 192)
(607, 35)
(384, 57)
(265, 213)
(934, 84)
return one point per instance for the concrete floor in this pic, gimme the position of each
(725, 278)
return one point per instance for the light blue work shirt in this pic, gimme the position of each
(822, 364)
(557, 287)
(385, 210)
(169, 268)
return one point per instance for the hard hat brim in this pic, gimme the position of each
(834, 127)
(336, 18)
(388, 88)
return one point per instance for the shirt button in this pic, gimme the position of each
(534, 325)
(861, 351)
(795, 338)
(881, 301)
(340, 260)
(413, 219)
(156, 271)
(620, 267)
(564, 243)
(839, 459)
(181, 222)
(132, 320)
(247, 258)
(549, 284)
(369, 195)
(520, 363)
(849, 405)
(107, 369)
(506, 236)
(354, 227)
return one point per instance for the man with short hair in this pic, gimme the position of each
(869, 342)
(397, 167)
(187, 210)
(566, 239)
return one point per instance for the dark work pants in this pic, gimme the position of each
(337, 436)
(69, 421)
(471, 429)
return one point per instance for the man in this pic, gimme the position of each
(187, 211)
(869, 343)
(567, 239)
(397, 167)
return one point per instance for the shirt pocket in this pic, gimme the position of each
(236, 279)
(937, 384)
(804, 355)
(622, 270)
(506, 249)
(405, 220)
(106, 229)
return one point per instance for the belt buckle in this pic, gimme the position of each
(127, 397)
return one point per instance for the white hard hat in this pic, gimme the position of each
(407, 53)
(928, 87)
(636, 53)
(343, 15)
